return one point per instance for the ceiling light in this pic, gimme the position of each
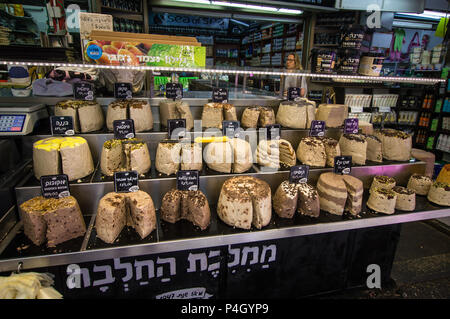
(196, 1)
(412, 25)
(436, 15)
(290, 11)
(244, 6)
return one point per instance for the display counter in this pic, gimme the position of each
(180, 256)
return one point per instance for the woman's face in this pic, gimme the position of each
(290, 62)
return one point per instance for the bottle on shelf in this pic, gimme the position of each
(430, 102)
(425, 101)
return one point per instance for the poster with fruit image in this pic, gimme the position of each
(139, 53)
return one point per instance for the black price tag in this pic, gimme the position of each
(343, 164)
(123, 129)
(317, 128)
(273, 131)
(293, 93)
(61, 125)
(55, 186)
(231, 128)
(126, 182)
(176, 128)
(123, 90)
(174, 91)
(187, 180)
(351, 126)
(220, 95)
(299, 174)
(83, 91)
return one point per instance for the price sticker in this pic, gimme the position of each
(61, 125)
(176, 128)
(220, 95)
(126, 182)
(299, 174)
(317, 128)
(123, 129)
(293, 93)
(55, 186)
(123, 91)
(343, 165)
(351, 126)
(83, 91)
(174, 91)
(187, 180)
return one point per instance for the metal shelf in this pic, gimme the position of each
(219, 234)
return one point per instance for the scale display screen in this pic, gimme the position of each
(11, 122)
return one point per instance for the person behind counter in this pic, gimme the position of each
(292, 65)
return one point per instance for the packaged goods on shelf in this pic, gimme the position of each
(371, 64)
(409, 101)
(277, 45)
(358, 100)
(443, 142)
(323, 61)
(348, 62)
(276, 59)
(266, 48)
(363, 116)
(407, 117)
(385, 100)
(265, 60)
(289, 43)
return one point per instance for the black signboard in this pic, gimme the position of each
(317, 128)
(351, 126)
(231, 128)
(220, 95)
(123, 129)
(273, 131)
(299, 174)
(174, 91)
(187, 180)
(83, 91)
(176, 128)
(61, 125)
(125, 182)
(293, 93)
(55, 186)
(123, 90)
(343, 164)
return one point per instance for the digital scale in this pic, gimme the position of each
(20, 118)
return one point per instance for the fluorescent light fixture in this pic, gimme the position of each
(243, 6)
(436, 15)
(290, 11)
(412, 25)
(195, 1)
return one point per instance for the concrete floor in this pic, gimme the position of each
(421, 268)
